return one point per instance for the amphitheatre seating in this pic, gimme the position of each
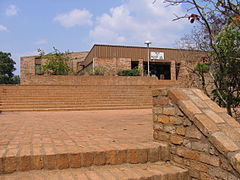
(74, 98)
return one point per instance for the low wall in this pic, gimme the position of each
(201, 136)
(93, 80)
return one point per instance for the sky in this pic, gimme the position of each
(76, 25)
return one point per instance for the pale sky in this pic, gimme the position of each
(75, 25)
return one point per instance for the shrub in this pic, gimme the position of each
(129, 72)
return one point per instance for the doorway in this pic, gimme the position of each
(162, 70)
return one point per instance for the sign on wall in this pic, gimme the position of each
(157, 55)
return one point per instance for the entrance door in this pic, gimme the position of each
(160, 69)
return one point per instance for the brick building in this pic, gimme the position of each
(165, 63)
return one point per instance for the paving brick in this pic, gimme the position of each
(75, 160)
(223, 143)
(87, 159)
(62, 161)
(37, 162)
(50, 162)
(205, 124)
(25, 163)
(100, 158)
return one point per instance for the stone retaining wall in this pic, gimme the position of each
(201, 136)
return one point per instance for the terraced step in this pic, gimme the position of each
(150, 171)
(89, 108)
(64, 157)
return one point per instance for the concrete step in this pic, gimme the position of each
(89, 108)
(150, 171)
(62, 156)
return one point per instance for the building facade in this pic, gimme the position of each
(164, 63)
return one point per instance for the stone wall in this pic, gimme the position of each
(201, 136)
(94, 80)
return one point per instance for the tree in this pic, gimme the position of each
(6, 68)
(213, 16)
(57, 63)
(226, 65)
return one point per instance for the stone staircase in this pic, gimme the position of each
(90, 145)
(137, 161)
(74, 98)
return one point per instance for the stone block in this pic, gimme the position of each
(205, 124)
(169, 111)
(214, 107)
(169, 129)
(192, 132)
(181, 131)
(159, 92)
(223, 143)
(176, 95)
(209, 159)
(175, 120)
(189, 108)
(161, 136)
(200, 94)
(160, 101)
(215, 118)
(176, 139)
(187, 153)
(163, 119)
(235, 161)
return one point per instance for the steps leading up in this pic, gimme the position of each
(150, 171)
(74, 98)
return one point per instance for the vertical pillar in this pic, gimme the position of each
(173, 70)
(140, 66)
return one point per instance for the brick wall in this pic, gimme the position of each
(113, 63)
(201, 136)
(94, 80)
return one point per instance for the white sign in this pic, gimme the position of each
(157, 55)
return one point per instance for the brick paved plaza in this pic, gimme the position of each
(45, 132)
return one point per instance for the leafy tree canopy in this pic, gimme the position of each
(6, 68)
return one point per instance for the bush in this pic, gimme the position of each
(129, 72)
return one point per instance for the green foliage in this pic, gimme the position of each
(57, 63)
(6, 68)
(226, 65)
(16, 79)
(202, 68)
(129, 72)
(99, 71)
